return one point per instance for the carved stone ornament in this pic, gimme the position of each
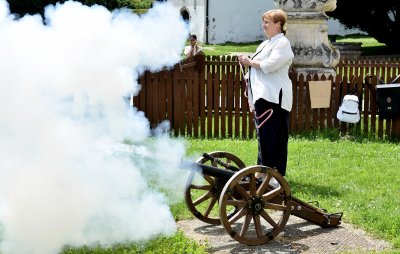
(308, 33)
(307, 5)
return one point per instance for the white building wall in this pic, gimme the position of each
(197, 16)
(236, 20)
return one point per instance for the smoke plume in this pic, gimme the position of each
(77, 163)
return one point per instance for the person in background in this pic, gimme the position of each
(193, 48)
(270, 88)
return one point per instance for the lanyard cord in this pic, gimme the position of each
(248, 86)
(268, 111)
(245, 81)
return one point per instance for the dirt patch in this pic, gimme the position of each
(298, 236)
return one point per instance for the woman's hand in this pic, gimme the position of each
(245, 60)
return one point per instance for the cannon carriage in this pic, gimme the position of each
(252, 209)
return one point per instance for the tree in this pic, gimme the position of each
(380, 19)
(22, 7)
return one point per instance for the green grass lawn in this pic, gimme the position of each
(370, 46)
(359, 178)
(229, 48)
(178, 243)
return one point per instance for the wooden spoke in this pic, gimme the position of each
(275, 206)
(270, 195)
(256, 202)
(252, 186)
(237, 216)
(264, 185)
(201, 187)
(209, 179)
(236, 203)
(202, 198)
(203, 191)
(268, 219)
(257, 225)
(242, 192)
(211, 206)
(245, 225)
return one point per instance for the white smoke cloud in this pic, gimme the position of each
(65, 175)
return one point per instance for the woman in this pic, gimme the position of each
(271, 88)
(193, 49)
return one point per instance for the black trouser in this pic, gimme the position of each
(272, 136)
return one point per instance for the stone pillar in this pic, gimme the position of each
(307, 31)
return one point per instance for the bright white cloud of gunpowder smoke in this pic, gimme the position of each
(66, 177)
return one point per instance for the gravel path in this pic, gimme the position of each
(298, 236)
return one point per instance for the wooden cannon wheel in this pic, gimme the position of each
(263, 209)
(202, 192)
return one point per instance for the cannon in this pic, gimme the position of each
(252, 210)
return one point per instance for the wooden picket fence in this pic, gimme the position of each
(204, 97)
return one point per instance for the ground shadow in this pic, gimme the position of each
(285, 242)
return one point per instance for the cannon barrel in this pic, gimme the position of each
(215, 171)
(220, 162)
(208, 170)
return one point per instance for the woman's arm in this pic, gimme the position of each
(280, 55)
(245, 60)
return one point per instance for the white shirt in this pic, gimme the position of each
(275, 56)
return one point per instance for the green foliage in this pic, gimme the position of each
(136, 4)
(22, 7)
(145, 4)
(140, 11)
(379, 20)
(109, 4)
